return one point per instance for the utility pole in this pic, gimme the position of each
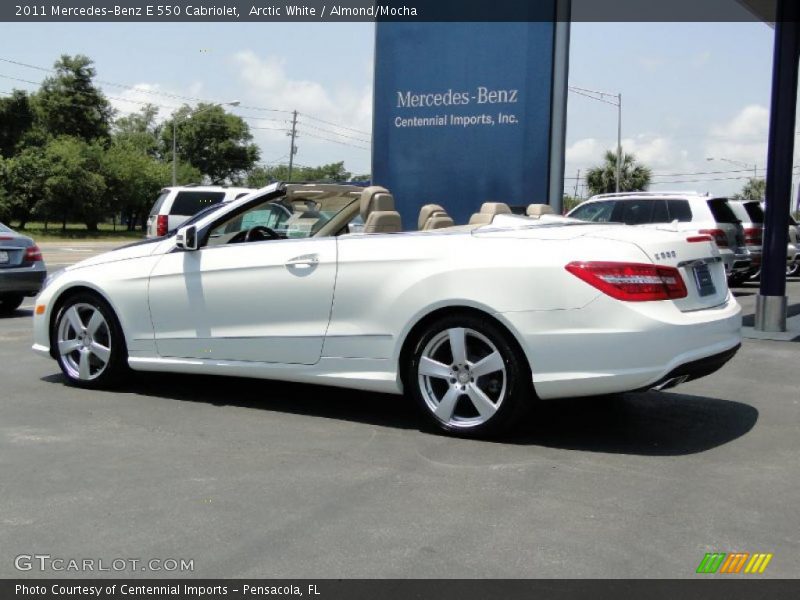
(577, 182)
(292, 147)
(613, 100)
(619, 139)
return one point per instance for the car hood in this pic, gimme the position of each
(131, 251)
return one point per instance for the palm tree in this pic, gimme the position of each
(754, 189)
(633, 177)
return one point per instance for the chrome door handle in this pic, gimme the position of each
(305, 261)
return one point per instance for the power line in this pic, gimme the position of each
(179, 96)
(349, 137)
(319, 137)
(334, 124)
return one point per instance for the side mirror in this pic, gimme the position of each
(186, 238)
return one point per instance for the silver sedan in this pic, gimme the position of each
(22, 270)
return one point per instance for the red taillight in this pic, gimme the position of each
(752, 236)
(161, 225)
(32, 254)
(632, 282)
(719, 236)
(699, 238)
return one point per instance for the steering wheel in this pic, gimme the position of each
(260, 233)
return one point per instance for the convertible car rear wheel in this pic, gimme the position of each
(89, 344)
(468, 377)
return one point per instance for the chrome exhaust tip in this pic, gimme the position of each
(670, 383)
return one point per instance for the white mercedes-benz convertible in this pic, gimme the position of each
(314, 283)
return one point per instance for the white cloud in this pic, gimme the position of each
(657, 152)
(679, 162)
(130, 100)
(651, 63)
(271, 86)
(701, 59)
(742, 138)
(345, 107)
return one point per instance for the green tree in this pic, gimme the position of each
(570, 202)
(23, 182)
(260, 176)
(754, 189)
(69, 103)
(634, 177)
(16, 119)
(139, 130)
(74, 187)
(217, 143)
(5, 208)
(133, 179)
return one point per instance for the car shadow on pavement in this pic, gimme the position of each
(270, 395)
(648, 424)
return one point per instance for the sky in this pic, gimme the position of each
(690, 90)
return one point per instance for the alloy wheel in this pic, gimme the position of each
(462, 377)
(84, 341)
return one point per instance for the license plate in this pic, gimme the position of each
(3, 257)
(705, 284)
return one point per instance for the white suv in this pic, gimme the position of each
(175, 205)
(683, 211)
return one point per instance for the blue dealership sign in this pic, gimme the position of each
(463, 114)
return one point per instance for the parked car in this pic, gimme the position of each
(22, 269)
(594, 308)
(751, 215)
(793, 266)
(682, 211)
(792, 254)
(175, 205)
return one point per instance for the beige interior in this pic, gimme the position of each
(433, 216)
(537, 210)
(426, 212)
(377, 210)
(488, 212)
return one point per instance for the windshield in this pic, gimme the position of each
(4, 229)
(295, 217)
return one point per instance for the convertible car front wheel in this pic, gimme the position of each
(468, 377)
(88, 342)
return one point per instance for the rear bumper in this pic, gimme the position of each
(23, 280)
(611, 347)
(695, 369)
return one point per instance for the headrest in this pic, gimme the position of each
(537, 210)
(367, 197)
(425, 213)
(495, 208)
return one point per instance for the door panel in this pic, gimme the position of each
(264, 301)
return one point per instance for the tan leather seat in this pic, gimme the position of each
(426, 212)
(537, 210)
(377, 210)
(488, 212)
(433, 216)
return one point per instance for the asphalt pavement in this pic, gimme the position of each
(263, 479)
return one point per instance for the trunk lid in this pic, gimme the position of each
(699, 262)
(12, 250)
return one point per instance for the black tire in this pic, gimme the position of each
(9, 303)
(110, 336)
(736, 280)
(511, 402)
